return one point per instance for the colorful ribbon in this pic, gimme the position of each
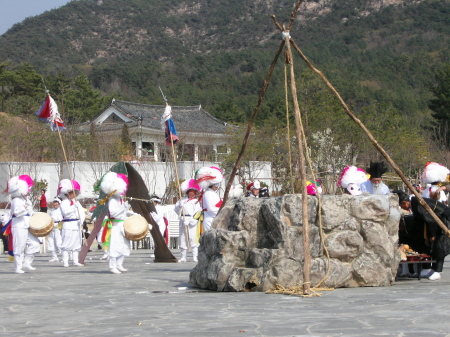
(106, 235)
(199, 216)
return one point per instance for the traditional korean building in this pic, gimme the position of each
(202, 136)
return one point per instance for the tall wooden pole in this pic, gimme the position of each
(175, 168)
(302, 169)
(288, 127)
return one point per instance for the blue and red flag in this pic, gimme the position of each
(169, 127)
(6, 229)
(49, 113)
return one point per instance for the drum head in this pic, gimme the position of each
(41, 224)
(40, 220)
(135, 227)
(135, 224)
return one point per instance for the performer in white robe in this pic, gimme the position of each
(114, 185)
(186, 209)
(54, 239)
(253, 189)
(375, 184)
(435, 176)
(158, 216)
(25, 244)
(73, 218)
(209, 178)
(211, 205)
(351, 178)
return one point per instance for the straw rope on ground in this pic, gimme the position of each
(297, 290)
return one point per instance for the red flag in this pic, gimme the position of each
(49, 113)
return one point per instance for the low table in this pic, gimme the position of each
(419, 266)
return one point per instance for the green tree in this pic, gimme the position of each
(440, 105)
(19, 88)
(5, 81)
(82, 101)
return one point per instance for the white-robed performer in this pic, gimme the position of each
(54, 239)
(435, 175)
(375, 183)
(253, 189)
(158, 216)
(351, 178)
(209, 178)
(25, 244)
(73, 218)
(186, 209)
(114, 185)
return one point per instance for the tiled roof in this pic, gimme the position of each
(186, 118)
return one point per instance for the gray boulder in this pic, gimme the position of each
(256, 244)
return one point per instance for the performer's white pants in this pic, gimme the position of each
(24, 241)
(192, 232)
(207, 221)
(116, 261)
(54, 241)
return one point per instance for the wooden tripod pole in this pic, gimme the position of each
(288, 127)
(250, 124)
(373, 140)
(302, 169)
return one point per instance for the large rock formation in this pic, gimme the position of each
(257, 243)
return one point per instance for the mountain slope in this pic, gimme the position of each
(216, 53)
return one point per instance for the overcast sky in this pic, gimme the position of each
(13, 11)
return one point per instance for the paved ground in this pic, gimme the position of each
(156, 300)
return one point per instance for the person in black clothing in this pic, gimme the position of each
(406, 220)
(429, 238)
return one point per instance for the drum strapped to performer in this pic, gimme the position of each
(135, 227)
(41, 224)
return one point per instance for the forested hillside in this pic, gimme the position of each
(381, 56)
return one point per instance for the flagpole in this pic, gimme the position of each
(64, 152)
(68, 170)
(186, 232)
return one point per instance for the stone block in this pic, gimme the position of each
(256, 244)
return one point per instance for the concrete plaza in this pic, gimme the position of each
(155, 299)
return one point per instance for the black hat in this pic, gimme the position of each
(376, 169)
(402, 196)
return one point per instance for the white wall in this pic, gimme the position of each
(156, 175)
